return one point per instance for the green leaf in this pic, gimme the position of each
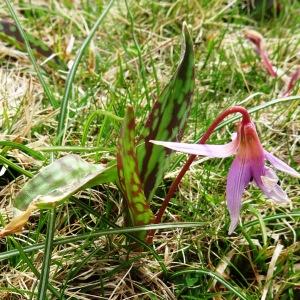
(10, 34)
(59, 180)
(167, 119)
(129, 178)
(53, 184)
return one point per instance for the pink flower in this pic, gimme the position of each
(248, 165)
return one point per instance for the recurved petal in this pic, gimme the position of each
(205, 149)
(277, 194)
(280, 165)
(270, 188)
(269, 180)
(238, 178)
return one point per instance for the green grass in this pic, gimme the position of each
(129, 60)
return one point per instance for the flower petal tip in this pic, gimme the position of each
(281, 165)
(285, 200)
(232, 227)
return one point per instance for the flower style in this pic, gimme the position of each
(248, 165)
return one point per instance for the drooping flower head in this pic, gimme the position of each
(258, 41)
(248, 165)
(259, 45)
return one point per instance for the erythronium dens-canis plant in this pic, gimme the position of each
(248, 165)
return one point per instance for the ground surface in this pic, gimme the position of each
(261, 260)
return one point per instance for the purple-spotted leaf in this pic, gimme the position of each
(129, 178)
(167, 119)
(10, 34)
(54, 184)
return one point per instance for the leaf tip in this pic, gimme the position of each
(185, 30)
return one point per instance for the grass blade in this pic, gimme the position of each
(33, 153)
(97, 234)
(139, 53)
(5, 161)
(46, 88)
(256, 109)
(29, 263)
(43, 284)
(62, 124)
(10, 34)
(91, 118)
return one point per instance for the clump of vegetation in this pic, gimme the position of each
(95, 203)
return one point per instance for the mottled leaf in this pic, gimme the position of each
(53, 184)
(10, 34)
(167, 119)
(129, 178)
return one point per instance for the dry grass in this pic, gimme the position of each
(261, 260)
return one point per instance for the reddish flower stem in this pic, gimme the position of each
(292, 82)
(267, 63)
(204, 138)
(258, 41)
